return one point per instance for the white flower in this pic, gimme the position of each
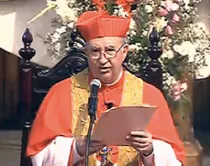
(162, 3)
(170, 80)
(184, 86)
(121, 8)
(133, 47)
(132, 24)
(201, 26)
(132, 32)
(186, 2)
(120, 12)
(115, 11)
(71, 25)
(63, 10)
(58, 46)
(186, 49)
(168, 54)
(138, 45)
(145, 33)
(55, 37)
(148, 9)
(204, 71)
(71, 1)
(61, 30)
(160, 23)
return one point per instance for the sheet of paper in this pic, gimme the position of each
(115, 124)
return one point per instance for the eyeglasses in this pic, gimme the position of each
(109, 52)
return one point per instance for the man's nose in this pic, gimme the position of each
(103, 58)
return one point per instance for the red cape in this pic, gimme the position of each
(54, 118)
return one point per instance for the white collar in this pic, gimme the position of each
(119, 77)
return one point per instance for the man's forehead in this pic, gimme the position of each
(104, 41)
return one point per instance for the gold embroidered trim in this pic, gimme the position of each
(132, 95)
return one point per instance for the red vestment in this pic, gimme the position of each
(54, 117)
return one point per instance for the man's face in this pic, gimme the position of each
(105, 57)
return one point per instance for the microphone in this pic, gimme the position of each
(92, 107)
(93, 99)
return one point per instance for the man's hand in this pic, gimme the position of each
(95, 146)
(141, 141)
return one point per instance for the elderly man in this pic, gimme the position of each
(58, 133)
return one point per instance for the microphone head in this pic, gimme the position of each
(96, 82)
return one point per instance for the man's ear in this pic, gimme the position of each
(125, 50)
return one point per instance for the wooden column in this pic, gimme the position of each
(9, 90)
(184, 124)
(152, 71)
(26, 73)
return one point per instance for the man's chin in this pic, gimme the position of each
(105, 78)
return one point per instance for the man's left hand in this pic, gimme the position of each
(141, 141)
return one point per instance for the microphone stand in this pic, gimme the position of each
(87, 148)
(92, 107)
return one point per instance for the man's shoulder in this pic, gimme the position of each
(152, 95)
(62, 85)
(148, 88)
(66, 83)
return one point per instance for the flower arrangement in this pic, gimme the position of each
(185, 43)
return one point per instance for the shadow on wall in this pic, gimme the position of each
(23, 11)
(201, 103)
(9, 89)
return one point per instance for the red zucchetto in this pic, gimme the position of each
(95, 24)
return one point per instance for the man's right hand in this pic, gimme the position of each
(95, 146)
